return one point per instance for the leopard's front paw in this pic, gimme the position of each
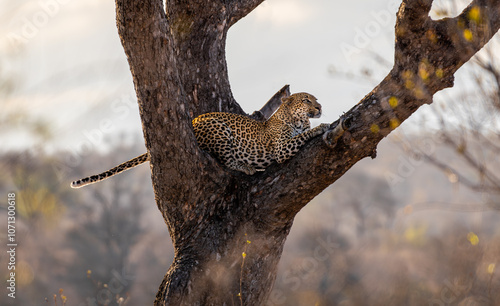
(249, 170)
(331, 136)
(324, 127)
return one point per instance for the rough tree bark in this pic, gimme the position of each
(227, 228)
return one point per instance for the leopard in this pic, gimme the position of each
(244, 144)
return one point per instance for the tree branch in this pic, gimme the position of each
(272, 105)
(427, 54)
(240, 8)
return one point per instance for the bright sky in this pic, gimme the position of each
(70, 69)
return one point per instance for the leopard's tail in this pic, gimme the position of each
(118, 169)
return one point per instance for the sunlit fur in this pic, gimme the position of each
(247, 145)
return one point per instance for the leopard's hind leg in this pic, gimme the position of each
(233, 164)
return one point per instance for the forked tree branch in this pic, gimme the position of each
(177, 59)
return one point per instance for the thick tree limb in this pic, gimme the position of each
(199, 28)
(177, 162)
(427, 55)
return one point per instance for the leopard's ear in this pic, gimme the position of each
(286, 100)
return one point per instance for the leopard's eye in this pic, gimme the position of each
(306, 101)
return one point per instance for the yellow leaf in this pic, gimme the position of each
(474, 14)
(422, 73)
(407, 74)
(468, 35)
(394, 123)
(491, 268)
(473, 238)
(393, 102)
(244, 254)
(439, 73)
(416, 234)
(409, 84)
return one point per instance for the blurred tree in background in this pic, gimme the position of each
(84, 243)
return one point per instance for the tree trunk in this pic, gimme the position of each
(228, 228)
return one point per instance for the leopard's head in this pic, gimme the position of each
(301, 104)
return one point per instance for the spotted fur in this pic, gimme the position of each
(244, 144)
(248, 145)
